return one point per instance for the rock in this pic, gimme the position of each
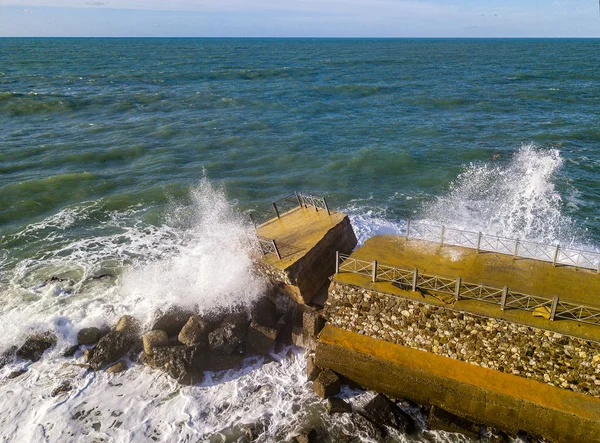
(309, 436)
(264, 313)
(35, 345)
(363, 425)
(183, 363)
(112, 347)
(440, 419)
(312, 370)
(298, 336)
(261, 338)
(17, 373)
(327, 384)
(87, 354)
(88, 336)
(312, 323)
(154, 339)
(63, 387)
(338, 406)
(230, 337)
(216, 362)
(384, 412)
(172, 321)
(119, 366)
(8, 356)
(128, 324)
(70, 351)
(194, 331)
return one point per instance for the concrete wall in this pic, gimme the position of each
(535, 354)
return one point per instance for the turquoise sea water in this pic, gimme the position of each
(105, 143)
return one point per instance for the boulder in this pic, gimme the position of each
(154, 339)
(87, 354)
(264, 313)
(194, 331)
(364, 426)
(70, 351)
(230, 337)
(312, 370)
(88, 336)
(217, 362)
(308, 436)
(338, 406)
(327, 384)
(128, 324)
(17, 373)
(261, 338)
(112, 347)
(312, 323)
(64, 387)
(119, 366)
(382, 411)
(298, 336)
(8, 356)
(172, 321)
(35, 345)
(184, 363)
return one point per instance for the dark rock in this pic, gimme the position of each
(312, 370)
(443, 420)
(363, 425)
(35, 345)
(112, 347)
(88, 336)
(194, 331)
(384, 412)
(261, 338)
(183, 363)
(230, 337)
(88, 354)
(154, 339)
(327, 384)
(17, 373)
(308, 436)
(8, 356)
(298, 336)
(70, 351)
(128, 324)
(64, 386)
(529, 437)
(172, 321)
(119, 366)
(216, 362)
(312, 322)
(264, 313)
(338, 406)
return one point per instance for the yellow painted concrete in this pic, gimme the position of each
(522, 275)
(297, 232)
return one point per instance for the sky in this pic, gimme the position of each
(299, 18)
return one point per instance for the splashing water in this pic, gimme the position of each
(518, 199)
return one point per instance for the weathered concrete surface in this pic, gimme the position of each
(307, 240)
(478, 394)
(523, 275)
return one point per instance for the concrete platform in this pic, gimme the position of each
(479, 394)
(523, 275)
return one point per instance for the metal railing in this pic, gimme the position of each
(552, 307)
(554, 254)
(287, 203)
(268, 245)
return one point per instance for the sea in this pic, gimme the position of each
(129, 168)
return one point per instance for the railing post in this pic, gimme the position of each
(516, 248)
(503, 298)
(553, 310)
(252, 220)
(337, 262)
(408, 232)
(556, 255)
(298, 198)
(261, 247)
(276, 249)
(457, 289)
(326, 206)
(414, 282)
(276, 210)
(374, 273)
(478, 241)
(442, 238)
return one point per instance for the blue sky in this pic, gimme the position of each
(301, 18)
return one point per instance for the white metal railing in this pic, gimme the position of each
(412, 279)
(554, 254)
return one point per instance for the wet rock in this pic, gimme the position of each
(363, 425)
(70, 351)
(338, 406)
(261, 338)
(382, 411)
(183, 363)
(88, 336)
(298, 336)
(216, 362)
(264, 313)
(308, 436)
(172, 321)
(312, 370)
(194, 331)
(312, 323)
(128, 324)
(230, 337)
(17, 373)
(35, 345)
(327, 384)
(63, 387)
(119, 366)
(112, 347)
(154, 339)
(8, 356)
(443, 420)
(87, 354)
